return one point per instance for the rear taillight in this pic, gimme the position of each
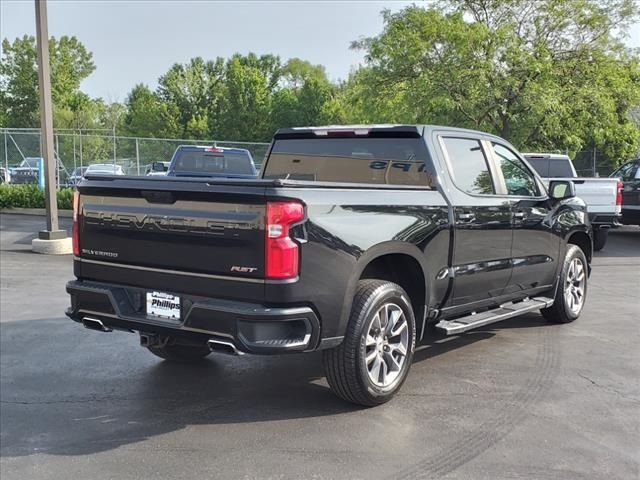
(619, 193)
(281, 259)
(75, 234)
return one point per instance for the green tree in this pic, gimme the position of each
(148, 116)
(194, 91)
(306, 96)
(70, 64)
(80, 113)
(249, 83)
(544, 74)
(18, 83)
(296, 72)
(112, 116)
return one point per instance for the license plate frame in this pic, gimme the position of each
(163, 306)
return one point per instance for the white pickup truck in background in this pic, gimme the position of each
(603, 196)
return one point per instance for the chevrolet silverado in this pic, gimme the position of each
(359, 241)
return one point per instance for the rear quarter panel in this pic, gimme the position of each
(348, 228)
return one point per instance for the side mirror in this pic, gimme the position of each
(561, 189)
(157, 167)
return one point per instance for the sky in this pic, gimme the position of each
(137, 41)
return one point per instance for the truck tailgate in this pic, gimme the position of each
(598, 193)
(172, 225)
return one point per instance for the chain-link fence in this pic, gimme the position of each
(592, 163)
(79, 148)
(75, 149)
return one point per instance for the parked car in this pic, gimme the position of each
(157, 169)
(76, 176)
(602, 195)
(103, 169)
(629, 173)
(212, 161)
(356, 241)
(26, 171)
(5, 175)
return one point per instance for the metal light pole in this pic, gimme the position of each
(137, 157)
(46, 125)
(6, 153)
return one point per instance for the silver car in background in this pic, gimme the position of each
(104, 169)
(76, 176)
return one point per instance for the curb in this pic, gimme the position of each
(35, 211)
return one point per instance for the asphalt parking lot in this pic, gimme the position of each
(519, 399)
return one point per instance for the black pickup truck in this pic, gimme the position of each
(358, 241)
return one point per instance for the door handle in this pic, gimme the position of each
(466, 216)
(519, 215)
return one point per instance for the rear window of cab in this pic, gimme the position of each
(203, 161)
(390, 161)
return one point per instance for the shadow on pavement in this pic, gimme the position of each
(622, 242)
(67, 391)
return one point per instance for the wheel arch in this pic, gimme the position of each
(396, 262)
(583, 240)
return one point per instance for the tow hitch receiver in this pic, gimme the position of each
(152, 340)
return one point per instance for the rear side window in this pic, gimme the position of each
(391, 161)
(540, 165)
(560, 168)
(203, 162)
(469, 166)
(551, 168)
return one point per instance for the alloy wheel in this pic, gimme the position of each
(575, 283)
(386, 345)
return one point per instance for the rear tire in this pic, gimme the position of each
(571, 292)
(180, 353)
(600, 236)
(373, 361)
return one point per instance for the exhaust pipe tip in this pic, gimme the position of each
(223, 346)
(95, 324)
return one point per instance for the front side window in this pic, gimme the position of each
(469, 166)
(519, 180)
(626, 172)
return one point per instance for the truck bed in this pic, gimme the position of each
(598, 193)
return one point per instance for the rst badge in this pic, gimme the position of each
(238, 269)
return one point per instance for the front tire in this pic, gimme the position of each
(373, 361)
(571, 292)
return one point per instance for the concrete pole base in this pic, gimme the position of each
(60, 246)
